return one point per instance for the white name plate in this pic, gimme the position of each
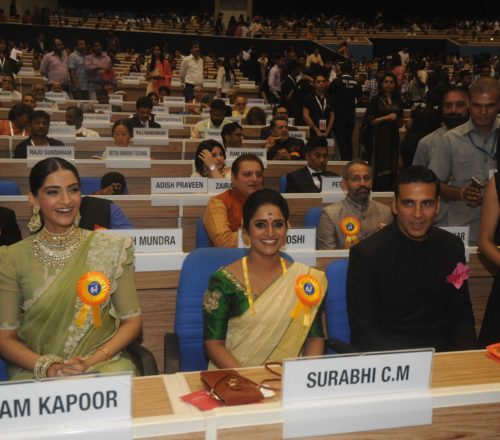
(44, 105)
(248, 85)
(56, 96)
(297, 134)
(261, 153)
(349, 393)
(54, 408)
(233, 119)
(209, 83)
(216, 186)
(128, 153)
(96, 119)
(116, 99)
(213, 133)
(176, 82)
(61, 129)
(26, 71)
(147, 136)
(331, 184)
(38, 153)
(254, 100)
(159, 109)
(136, 74)
(176, 185)
(461, 232)
(104, 108)
(174, 99)
(170, 121)
(130, 79)
(152, 240)
(5, 96)
(301, 238)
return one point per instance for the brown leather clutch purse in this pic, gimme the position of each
(230, 387)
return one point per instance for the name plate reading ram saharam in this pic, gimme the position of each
(351, 393)
(39, 153)
(152, 240)
(150, 136)
(178, 185)
(233, 153)
(76, 408)
(127, 157)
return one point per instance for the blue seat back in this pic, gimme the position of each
(311, 219)
(196, 270)
(90, 185)
(337, 321)
(283, 184)
(9, 188)
(3, 371)
(201, 240)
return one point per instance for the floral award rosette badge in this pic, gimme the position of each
(309, 293)
(350, 227)
(93, 289)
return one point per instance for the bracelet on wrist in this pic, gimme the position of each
(43, 364)
(106, 352)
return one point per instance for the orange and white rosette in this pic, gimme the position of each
(93, 289)
(309, 293)
(350, 227)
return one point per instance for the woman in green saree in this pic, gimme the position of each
(68, 303)
(262, 308)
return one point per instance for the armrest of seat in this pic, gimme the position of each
(341, 346)
(171, 360)
(143, 359)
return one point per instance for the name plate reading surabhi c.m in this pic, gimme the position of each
(128, 157)
(216, 186)
(178, 185)
(150, 136)
(39, 153)
(86, 406)
(360, 392)
(152, 240)
(233, 153)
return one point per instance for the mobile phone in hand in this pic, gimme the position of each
(475, 183)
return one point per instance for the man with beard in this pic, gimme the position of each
(349, 221)
(216, 121)
(455, 112)
(466, 157)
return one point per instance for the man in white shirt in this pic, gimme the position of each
(191, 71)
(8, 86)
(274, 79)
(217, 120)
(74, 116)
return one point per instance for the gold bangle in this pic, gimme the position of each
(106, 352)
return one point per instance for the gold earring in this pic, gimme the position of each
(76, 220)
(35, 222)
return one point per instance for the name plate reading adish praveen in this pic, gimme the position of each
(152, 240)
(331, 184)
(233, 153)
(461, 232)
(96, 120)
(39, 153)
(176, 185)
(216, 186)
(349, 393)
(96, 407)
(150, 136)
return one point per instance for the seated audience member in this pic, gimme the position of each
(17, 122)
(489, 239)
(248, 305)
(163, 92)
(9, 230)
(240, 107)
(155, 99)
(280, 146)
(38, 125)
(74, 117)
(103, 98)
(399, 291)
(216, 121)
(195, 105)
(143, 117)
(29, 100)
(232, 135)
(255, 116)
(309, 178)
(39, 90)
(210, 160)
(224, 211)
(57, 87)
(122, 132)
(344, 223)
(8, 86)
(279, 112)
(115, 183)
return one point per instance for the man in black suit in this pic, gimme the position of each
(9, 230)
(143, 117)
(309, 178)
(406, 283)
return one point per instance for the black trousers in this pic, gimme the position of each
(343, 129)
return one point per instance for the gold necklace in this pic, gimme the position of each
(54, 250)
(248, 287)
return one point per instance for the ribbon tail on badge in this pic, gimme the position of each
(82, 315)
